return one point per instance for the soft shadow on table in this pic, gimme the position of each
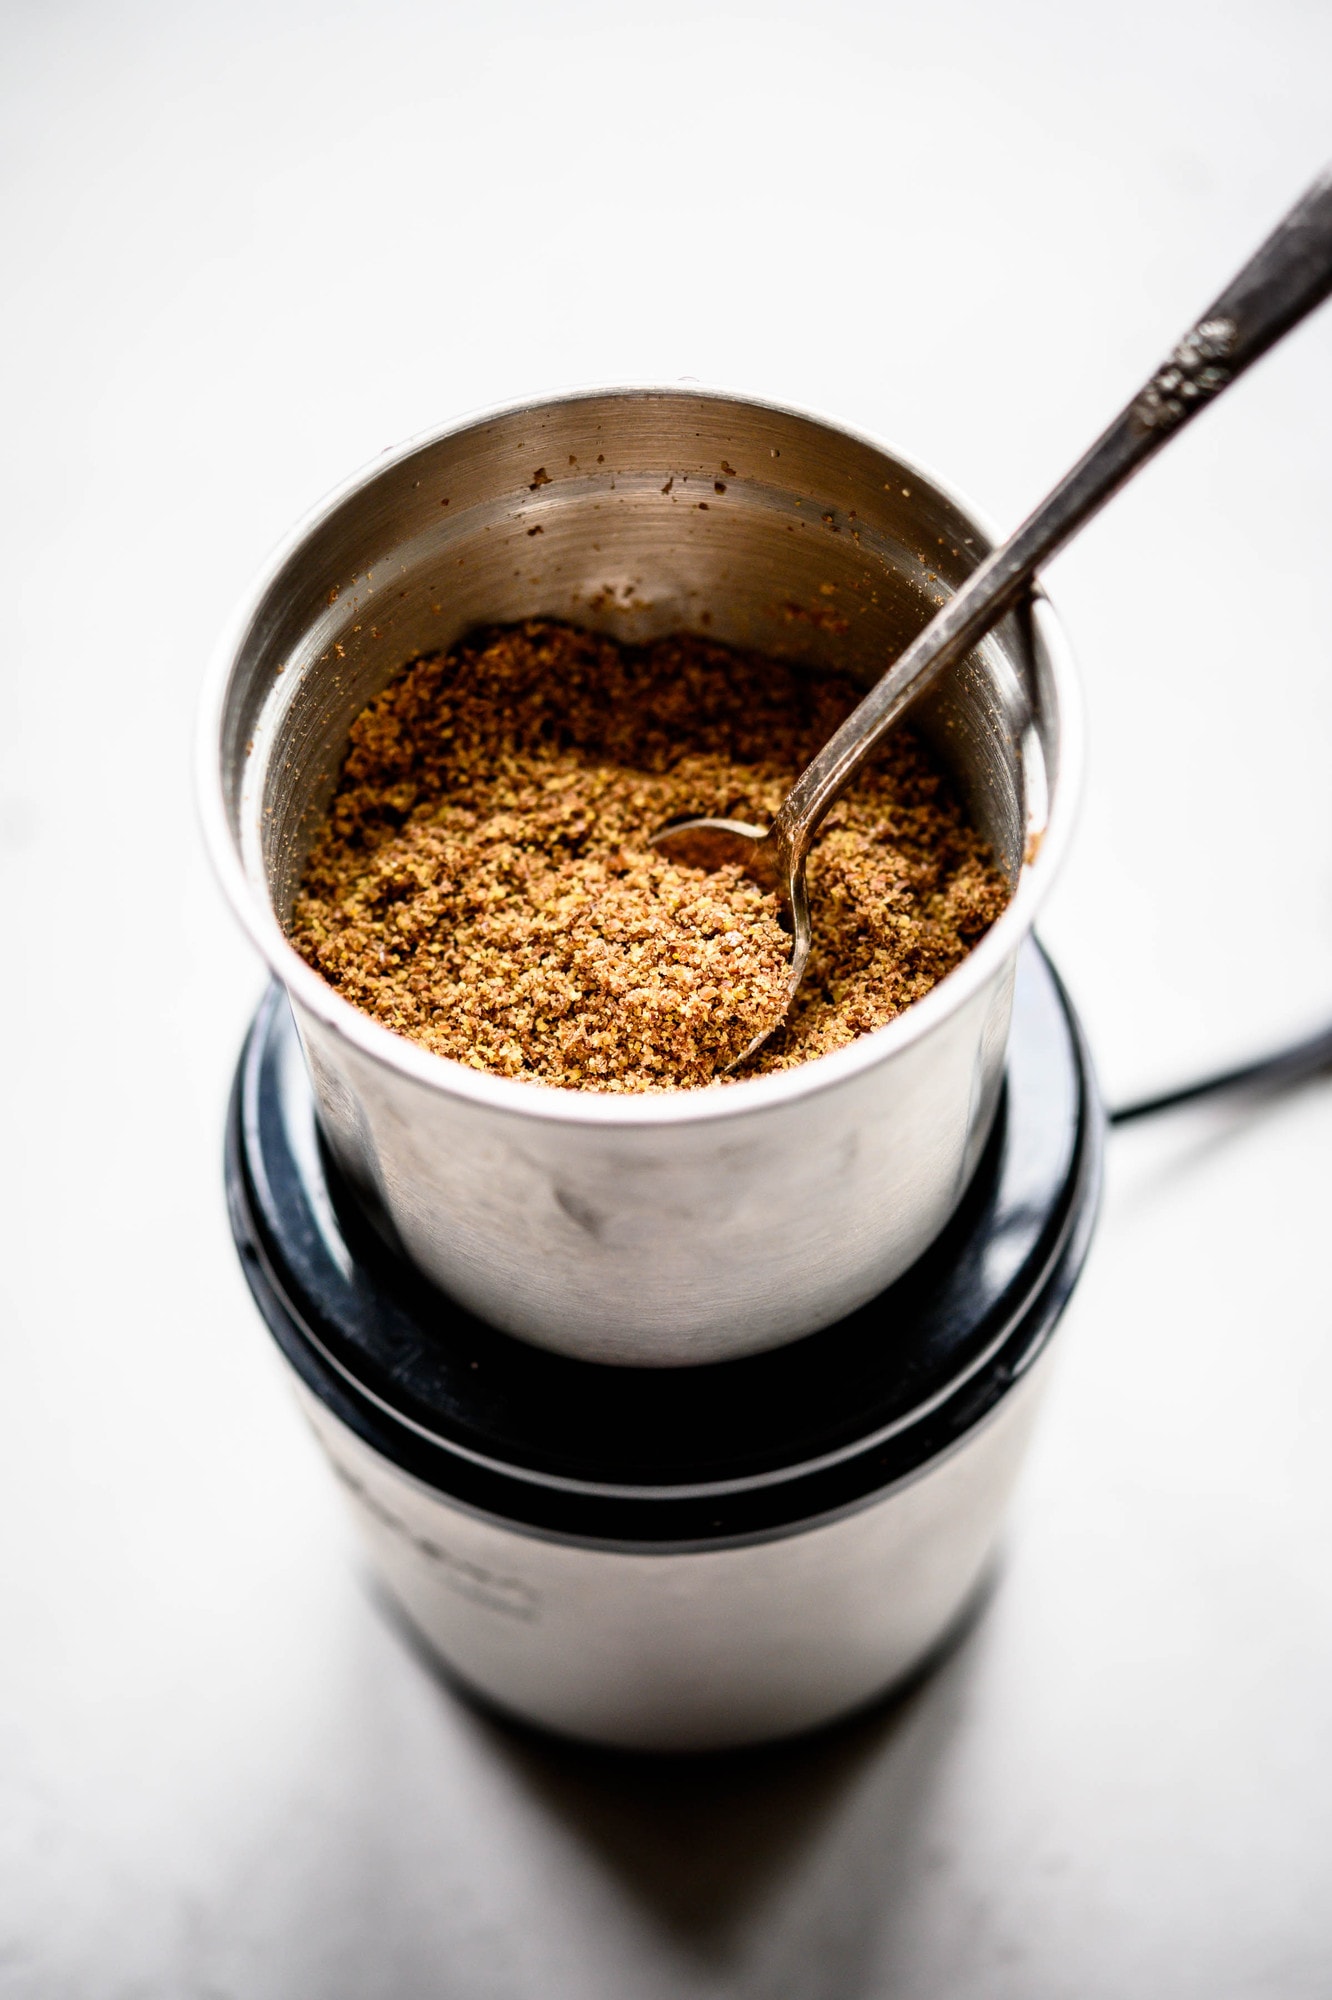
(702, 1842)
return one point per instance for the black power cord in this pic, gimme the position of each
(1294, 1064)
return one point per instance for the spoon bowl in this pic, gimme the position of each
(767, 858)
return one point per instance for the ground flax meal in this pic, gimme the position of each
(483, 882)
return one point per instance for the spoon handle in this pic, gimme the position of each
(1284, 280)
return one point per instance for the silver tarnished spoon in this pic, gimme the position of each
(1287, 278)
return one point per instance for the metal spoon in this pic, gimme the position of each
(1287, 278)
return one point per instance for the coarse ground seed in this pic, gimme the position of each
(483, 882)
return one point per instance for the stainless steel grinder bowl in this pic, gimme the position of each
(693, 1226)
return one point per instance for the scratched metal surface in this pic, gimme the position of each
(245, 249)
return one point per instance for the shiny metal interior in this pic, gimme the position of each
(637, 516)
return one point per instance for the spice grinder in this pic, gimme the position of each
(693, 1557)
(690, 1228)
(677, 1421)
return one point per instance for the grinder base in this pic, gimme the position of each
(690, 1557)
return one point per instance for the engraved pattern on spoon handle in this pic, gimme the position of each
(1285, 279)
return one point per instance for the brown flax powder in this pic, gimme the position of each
(483, 882)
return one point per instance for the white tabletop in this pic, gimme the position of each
(247, 247)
